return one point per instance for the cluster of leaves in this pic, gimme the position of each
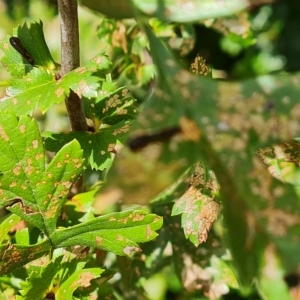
(34, 190)
(203, 153)
(233, 128)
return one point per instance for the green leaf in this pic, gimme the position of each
(15, 256)
(110, 107)
(33, 40)
(6, 224)
(34, 193)
(116, 232)
(80, 278)
(39, 281)
(22, 237)
(169, 10)
(41, 88)
(113, 108)
(97, 147)
(79, 209)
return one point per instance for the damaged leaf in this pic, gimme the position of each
(28, 188)
(197, 205)
(116, 232)
(15, 256)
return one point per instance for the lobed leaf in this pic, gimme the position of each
(39, 88)
(15, 256)
(111, 106)
(116, 232)
(33, 40)
(80, 278)
(97, 147)
(111, 113)
(197, 206)
(39, 282)
(33, 192)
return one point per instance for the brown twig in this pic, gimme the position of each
(70, 59)
(68, 11)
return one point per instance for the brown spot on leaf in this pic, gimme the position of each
(3, 134)
(121, 111)
(137, 217)
(35, 144)
(39, 156)
(66, 184)
(22, 128)
(119, 237)
(98, 60)
(279, 221)
(199, 66)
(190, 130)
(130, 250)
(84, 280)
(125, 128)
(111, 147)
(59, 92)
(81, 70)
(149, 231)
(83, 88)
(124, 92)
(16, 170)
(29, 169)
(99, 240)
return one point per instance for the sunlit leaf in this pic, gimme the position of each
(39, 281)
(34, 192)
(6, 225)
(33, 40)
(39, 88)
(115, 109)
(98, 147)
(80, 278)
(15, 256)
(116, 232)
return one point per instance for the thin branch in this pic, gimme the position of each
(70, 59)
(69, 32)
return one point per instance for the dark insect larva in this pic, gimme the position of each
(17, 44)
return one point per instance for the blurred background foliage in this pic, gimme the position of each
(260, 41)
